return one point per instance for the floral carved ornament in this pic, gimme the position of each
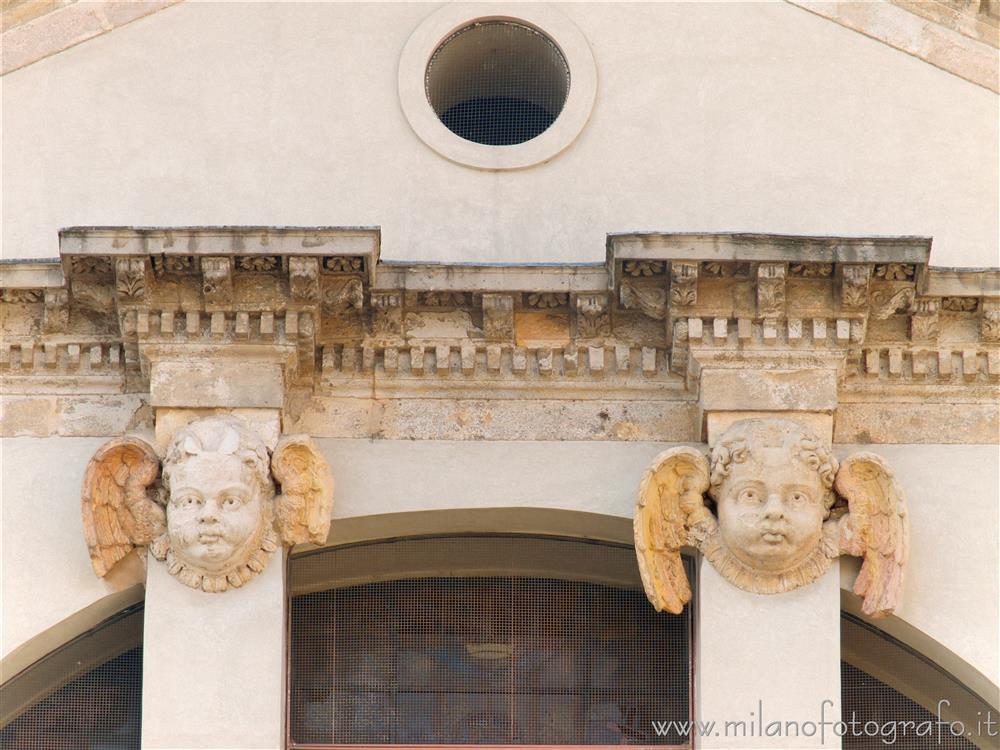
(212, 514)
(785, 510)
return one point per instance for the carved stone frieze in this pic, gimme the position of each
(441, 299)
(650, 299)
(173, 264)
(895, 271)
(640, 268)
(811, 270)
(784, 510)
(659, 297)
(22, 296)
(546, 300)
(91, 265)
(344, 264)
(348, 293)
(960, 304)
(258, 263)
(734, 270)
(892, 299)
(213, 516)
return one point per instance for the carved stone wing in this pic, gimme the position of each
(877, 528)
(303, 508)
(671, 499)
(118, 512)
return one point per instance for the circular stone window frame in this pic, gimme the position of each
(546, 20)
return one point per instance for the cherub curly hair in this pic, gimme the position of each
(221, 435)
(736, 445)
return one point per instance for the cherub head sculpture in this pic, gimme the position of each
(773, 488)
(778, 524)
(214, 519)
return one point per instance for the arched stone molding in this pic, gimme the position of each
(81, 642)
(931, 651)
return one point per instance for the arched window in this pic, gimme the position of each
(482, 641)
(892, 696)
(85, 696)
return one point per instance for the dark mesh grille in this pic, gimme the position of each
(903, 714)
(497, 83)
(870, 700)
(99, 710)
(485, 660)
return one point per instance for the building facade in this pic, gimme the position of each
(500, 374)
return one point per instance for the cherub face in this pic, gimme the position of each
(771, 510)
(213, 513)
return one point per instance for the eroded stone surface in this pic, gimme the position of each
(776, 526)
(213, 517)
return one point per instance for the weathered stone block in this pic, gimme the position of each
(768, 390)
(216, 384)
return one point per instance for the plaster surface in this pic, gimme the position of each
(46, 574)
(951, 587)
(213, 666)
(950, 592)
(752, 648)
(708, 117)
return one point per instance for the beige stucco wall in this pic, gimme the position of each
(709, 117)
(951, 590)
(49, 588)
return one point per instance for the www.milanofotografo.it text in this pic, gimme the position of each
(888, 732)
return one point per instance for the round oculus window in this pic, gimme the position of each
(497, 83)
(488, 84)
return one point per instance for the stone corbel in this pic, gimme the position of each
(679, 347)
(765, 382)
(303, 279)
(56, 315)
(771, 290)
(683, 283)
(498, 317)
(989, 324)
(924, 320)
(854, 282)
(217, 282)
(130, 280)
(387, 314)
(593, 319)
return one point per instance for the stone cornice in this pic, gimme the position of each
(33, 31)
(319, 302)
(963, 43)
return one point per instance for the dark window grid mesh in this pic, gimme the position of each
(867, 699)
(497, 83)
(485, 661)
(870, 700)
(99, 710)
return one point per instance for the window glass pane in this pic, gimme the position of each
(486, 660)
